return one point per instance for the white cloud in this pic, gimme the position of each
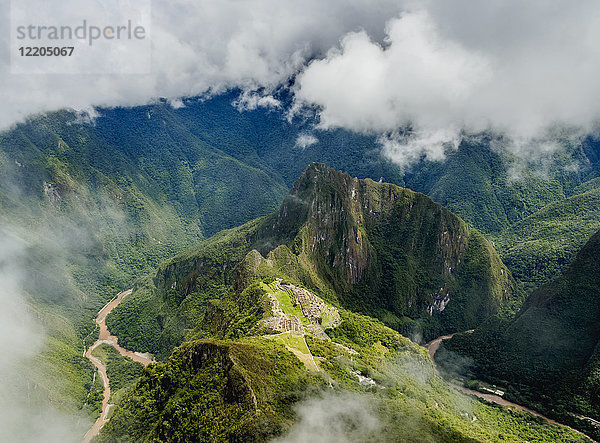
(197, 46)
(418, 77)
(250, 100)
(176, 103)
(405, 149)
(24, 416)
(18, 337)
(449, 67)
(305, 140)
(345, 417)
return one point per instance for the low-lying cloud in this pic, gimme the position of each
(305, 140)
(197, 47)
(24, 414)
(344, 417)
(19, 337)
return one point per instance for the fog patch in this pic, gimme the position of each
(344, 417)
(250, 100)
(305, 140)
(44, 254)
(406, 149)
(25, 415)
(20, 337)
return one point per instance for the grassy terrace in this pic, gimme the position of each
(292, 340)
(286, 302)
(297, 344)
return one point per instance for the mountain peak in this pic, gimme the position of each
(316, 176)
(397, 248)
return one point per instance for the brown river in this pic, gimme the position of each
(105, 337)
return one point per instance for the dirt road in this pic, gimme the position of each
(106, 338)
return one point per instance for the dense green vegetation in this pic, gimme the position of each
(548, 354)
(213, 391)
(541, 246)
(96, 206)
(481, 181)
(492, 189)
(99, 204)
(210, 291)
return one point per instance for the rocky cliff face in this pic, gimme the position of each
(328, 204)
(337, 211)
(389, 249)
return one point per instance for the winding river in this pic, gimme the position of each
(434, 345)
(105, 337)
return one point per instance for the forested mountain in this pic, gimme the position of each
(195, 163)
(266, 313)
(371, 247)
(539, 247)
(90, 208)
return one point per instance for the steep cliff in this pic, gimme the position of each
(392, 252)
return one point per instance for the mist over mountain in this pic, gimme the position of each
(110, 198)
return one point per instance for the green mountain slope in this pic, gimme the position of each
(367, 381)
(541, 246)
(371, 247)
(550, 349)
(95, 206)
(539, 214)
(492, 189)
(482, 181)
(213, 390)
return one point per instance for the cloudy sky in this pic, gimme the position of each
(373, 66)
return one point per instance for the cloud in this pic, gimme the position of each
(176, 103)
(344, 417)
(407, 148)
(197, 47)
(445, 68)
(305, 140)
(250, 100)
(19, 338)
(417, 77)
(43, 252)
(23, 415)
(440, 68)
